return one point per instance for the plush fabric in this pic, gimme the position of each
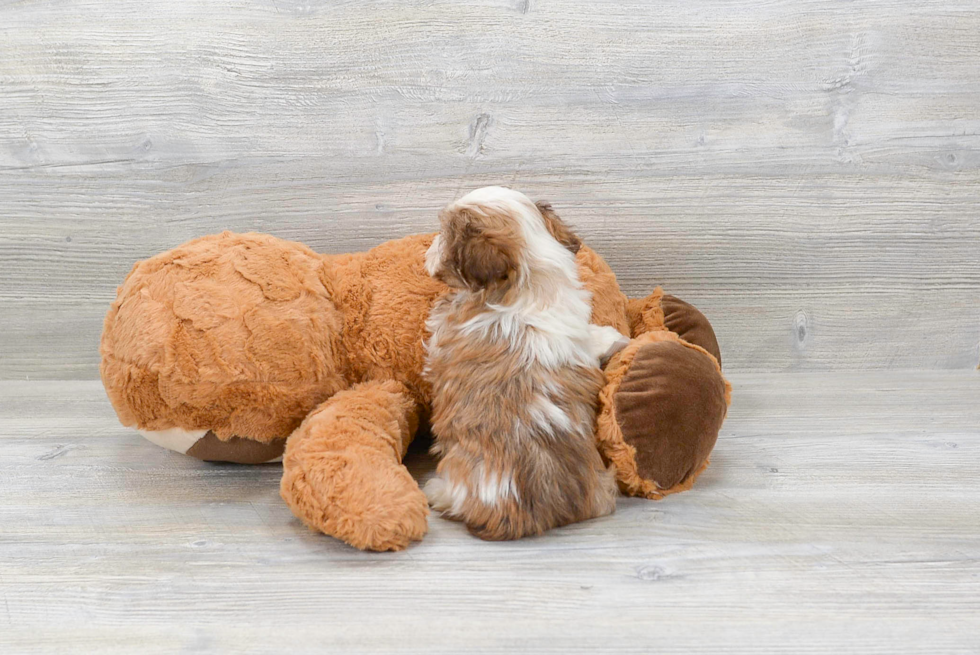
(684, 320)
(608, 302)
(682, 434)
(660, 413)
(255, 339)
(342, 472)
(236, 334)
(236, 450)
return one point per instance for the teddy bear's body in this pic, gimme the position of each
(234, 342)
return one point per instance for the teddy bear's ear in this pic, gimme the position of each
(558, 228)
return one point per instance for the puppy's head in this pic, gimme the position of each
(496, 239)
(475, 250)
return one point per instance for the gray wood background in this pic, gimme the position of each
(806, 172)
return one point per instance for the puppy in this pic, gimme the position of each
(514, 368)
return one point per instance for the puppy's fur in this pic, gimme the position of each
(513, 364)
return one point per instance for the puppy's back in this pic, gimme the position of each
(517, 443)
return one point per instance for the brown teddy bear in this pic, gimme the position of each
(227, 345)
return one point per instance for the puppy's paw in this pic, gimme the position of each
(606, 342)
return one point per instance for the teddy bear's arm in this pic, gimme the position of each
(342, 471)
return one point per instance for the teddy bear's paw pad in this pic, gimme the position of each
(236, 450)
(670, 406)
(357, 495)
(684, 320)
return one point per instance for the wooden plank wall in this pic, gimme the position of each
(807, 172)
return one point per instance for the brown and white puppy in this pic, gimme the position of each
(514, 367)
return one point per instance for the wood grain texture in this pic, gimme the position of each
(840, 515)
(808, 173)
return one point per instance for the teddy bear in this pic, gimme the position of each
(247, 348)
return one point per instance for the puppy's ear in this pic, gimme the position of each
(558, 228)
(487, 260)
(482, 257)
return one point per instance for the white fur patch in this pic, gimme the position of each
(176, 439)
(492, 488)
(606, 342)
(444, 496)
(549, 416)
(433, 256)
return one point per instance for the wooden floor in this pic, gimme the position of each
(841, 514)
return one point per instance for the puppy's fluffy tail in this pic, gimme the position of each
(439, 493)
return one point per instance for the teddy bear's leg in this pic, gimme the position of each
(665, 399)
(342, 471)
